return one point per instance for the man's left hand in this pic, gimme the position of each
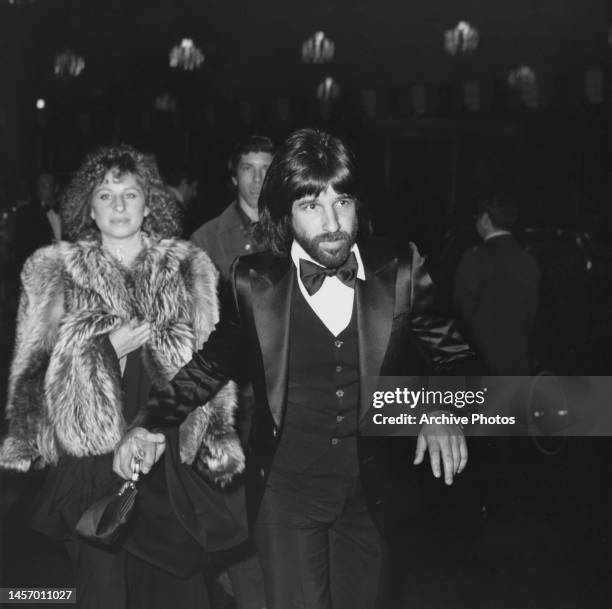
(445, 443)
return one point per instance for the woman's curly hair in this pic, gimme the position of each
(75, 207)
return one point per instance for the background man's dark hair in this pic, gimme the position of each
(253, 143)
(501, 210)
(306, 163)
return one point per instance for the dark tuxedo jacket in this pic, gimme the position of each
(496, 294)
(402, 331)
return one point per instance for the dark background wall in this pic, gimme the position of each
(556, 156)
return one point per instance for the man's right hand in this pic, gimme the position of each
(138, 446)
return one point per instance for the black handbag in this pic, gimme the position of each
(103, 521)
(178, 519)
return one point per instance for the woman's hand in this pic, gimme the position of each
(129, 337)
(138, 446)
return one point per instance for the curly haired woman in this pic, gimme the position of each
(103, 317)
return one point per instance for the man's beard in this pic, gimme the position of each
(329, 258)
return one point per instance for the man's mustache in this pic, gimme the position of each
(337, 236)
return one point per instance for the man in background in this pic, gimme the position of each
(231, 233)
(496, 291)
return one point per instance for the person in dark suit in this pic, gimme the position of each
(310, 317)
(496, 291)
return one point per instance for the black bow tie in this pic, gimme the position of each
(313, 275)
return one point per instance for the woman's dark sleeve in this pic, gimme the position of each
(219, 360)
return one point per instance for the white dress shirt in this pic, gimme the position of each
(333, 302)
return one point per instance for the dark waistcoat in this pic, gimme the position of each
(320, 423)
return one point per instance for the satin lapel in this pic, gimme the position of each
(271, 309)
(375, 300)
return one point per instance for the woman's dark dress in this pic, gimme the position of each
(120, 578)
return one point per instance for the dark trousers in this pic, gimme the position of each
(317, 544)
(243, 565)
(115, 579)
(99, 576)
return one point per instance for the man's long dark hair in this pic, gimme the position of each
(307, 162)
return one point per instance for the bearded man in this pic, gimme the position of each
(310, 317)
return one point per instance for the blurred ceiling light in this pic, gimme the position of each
(524, 80)
(186, 56)
(68, 63)
(462, 39)
(40, 104)
(328, 90)
(17, 2)
(521, 76)
(165, 102)
(318, 49)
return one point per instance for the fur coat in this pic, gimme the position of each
(65, 381)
